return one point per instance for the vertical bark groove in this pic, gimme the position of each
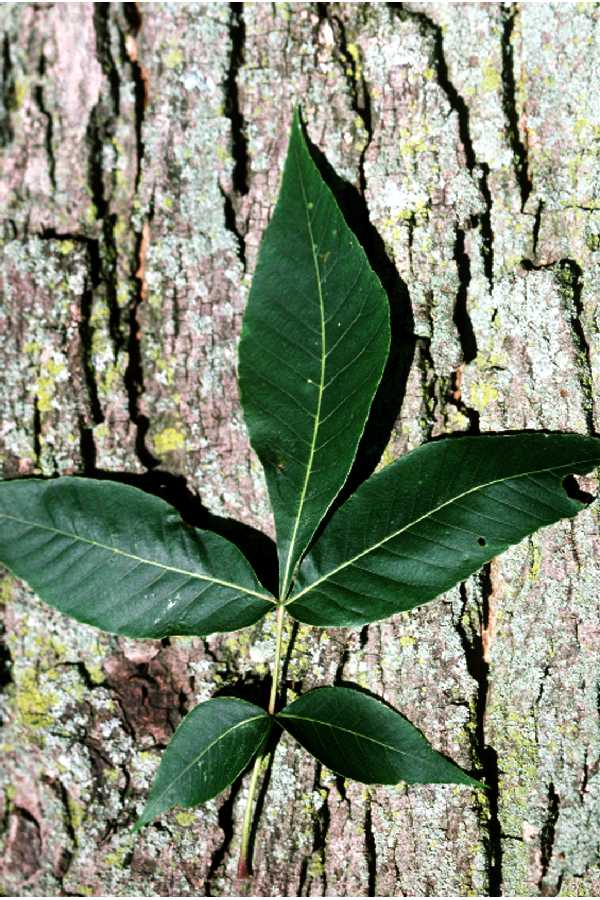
(141, 149)
(509, 102)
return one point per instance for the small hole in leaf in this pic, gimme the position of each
(574, 491)
(481, 541)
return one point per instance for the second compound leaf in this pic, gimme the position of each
(212, 746)
(359, 737)
(115, 557)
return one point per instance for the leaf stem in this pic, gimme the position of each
(277, 663)
(245, 863)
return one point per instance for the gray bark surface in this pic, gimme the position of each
(141, 149)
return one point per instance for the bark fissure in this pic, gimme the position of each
(233, 109)
(67, 854)
(537, 224)
(232, 226)
(370, 851)
(571, 280)
(509, 104)
(38, 94)
(36, 431)
(227, 826)
(313, 866)
(238, 136)
(547, 840)
(358, 88)
(7, 94)
(461, 318)
(134, 373)
(139, 78)
(485, 756)
(479, 170)
(6, 675)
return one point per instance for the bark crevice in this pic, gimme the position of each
(479, 170)
(476, 650)
(509, 15)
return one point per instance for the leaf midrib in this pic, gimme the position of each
(141, 559)
(197, 758)
(356, 734)
(317, 417)
(569, 467)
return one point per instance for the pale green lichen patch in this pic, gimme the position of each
(167, 440)
(41, 295)
(35, 703)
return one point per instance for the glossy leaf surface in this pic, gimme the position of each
(433, 518)
(212, 746)
(314, 343)
(123, 560)
(361, 738)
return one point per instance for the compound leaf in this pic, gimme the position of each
(314, 343)
(123, 560)
(434, 517)
(212, 746)
(361, 738)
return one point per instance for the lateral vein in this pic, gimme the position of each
(139, 559)
(370, 549)
(333, 726)
(197, 758)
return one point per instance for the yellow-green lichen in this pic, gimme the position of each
(6, 590)
(33, 703)
(116, 857)
(536, 561)
(77, 813)
(492, 79)
(95, 672)
(481, 395)
(184, 818)
(168, 440)
(173, 58)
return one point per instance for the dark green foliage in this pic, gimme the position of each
(433, 518)
(211, 747)
(360, 737)
(314, 345)
(113, 556)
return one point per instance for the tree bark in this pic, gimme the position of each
(142, 147)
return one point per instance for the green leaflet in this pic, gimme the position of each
(212, 746)
(359, 737)
(434, 517)
(118, 558)
(314, 343)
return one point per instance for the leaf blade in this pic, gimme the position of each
(329, 718)
(436, 509)
(115, 557)
(306, 425)
(211, 747)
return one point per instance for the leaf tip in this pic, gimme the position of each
(143, 820)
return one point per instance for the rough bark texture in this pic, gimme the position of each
(141, 151)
